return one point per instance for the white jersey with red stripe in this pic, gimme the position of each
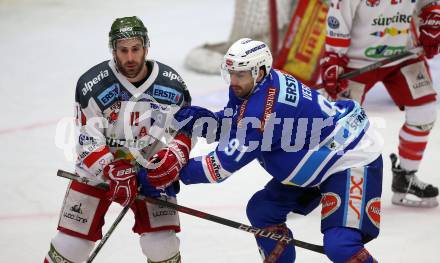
(371, 30)
(119, 119)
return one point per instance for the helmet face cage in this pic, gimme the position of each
(128, 27)
(246, 55)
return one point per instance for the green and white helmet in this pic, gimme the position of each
(128, 27)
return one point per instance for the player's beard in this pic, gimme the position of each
(130, 69)
(240, 91)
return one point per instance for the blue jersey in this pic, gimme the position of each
(297, 136)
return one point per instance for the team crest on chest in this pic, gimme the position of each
(113, 112)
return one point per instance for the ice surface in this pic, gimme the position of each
(47, 44)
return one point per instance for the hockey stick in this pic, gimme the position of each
(378, 64)
(209, 217)
(109, 232)
(381, 63)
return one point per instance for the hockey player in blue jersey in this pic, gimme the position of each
(317, 152)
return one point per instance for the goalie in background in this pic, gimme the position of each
(363, 32)
(119, 103)
(335, 158)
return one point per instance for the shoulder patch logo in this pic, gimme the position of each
(330, 203)
(333, 22)
(172, 76)
(213, 168)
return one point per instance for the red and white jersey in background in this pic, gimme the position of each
(371, 30)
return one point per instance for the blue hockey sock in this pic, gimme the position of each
(276, 251)
(342, 244)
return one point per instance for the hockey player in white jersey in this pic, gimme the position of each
(362, 32)
(121, 107)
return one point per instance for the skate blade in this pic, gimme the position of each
(410, 200)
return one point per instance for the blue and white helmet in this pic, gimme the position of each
(247, 54)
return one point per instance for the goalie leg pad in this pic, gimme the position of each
(65, 248)
(162, 246)
(344, 245)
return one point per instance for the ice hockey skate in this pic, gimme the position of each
(409, 190)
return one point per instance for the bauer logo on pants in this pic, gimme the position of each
(330, 203)
(373, 211)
